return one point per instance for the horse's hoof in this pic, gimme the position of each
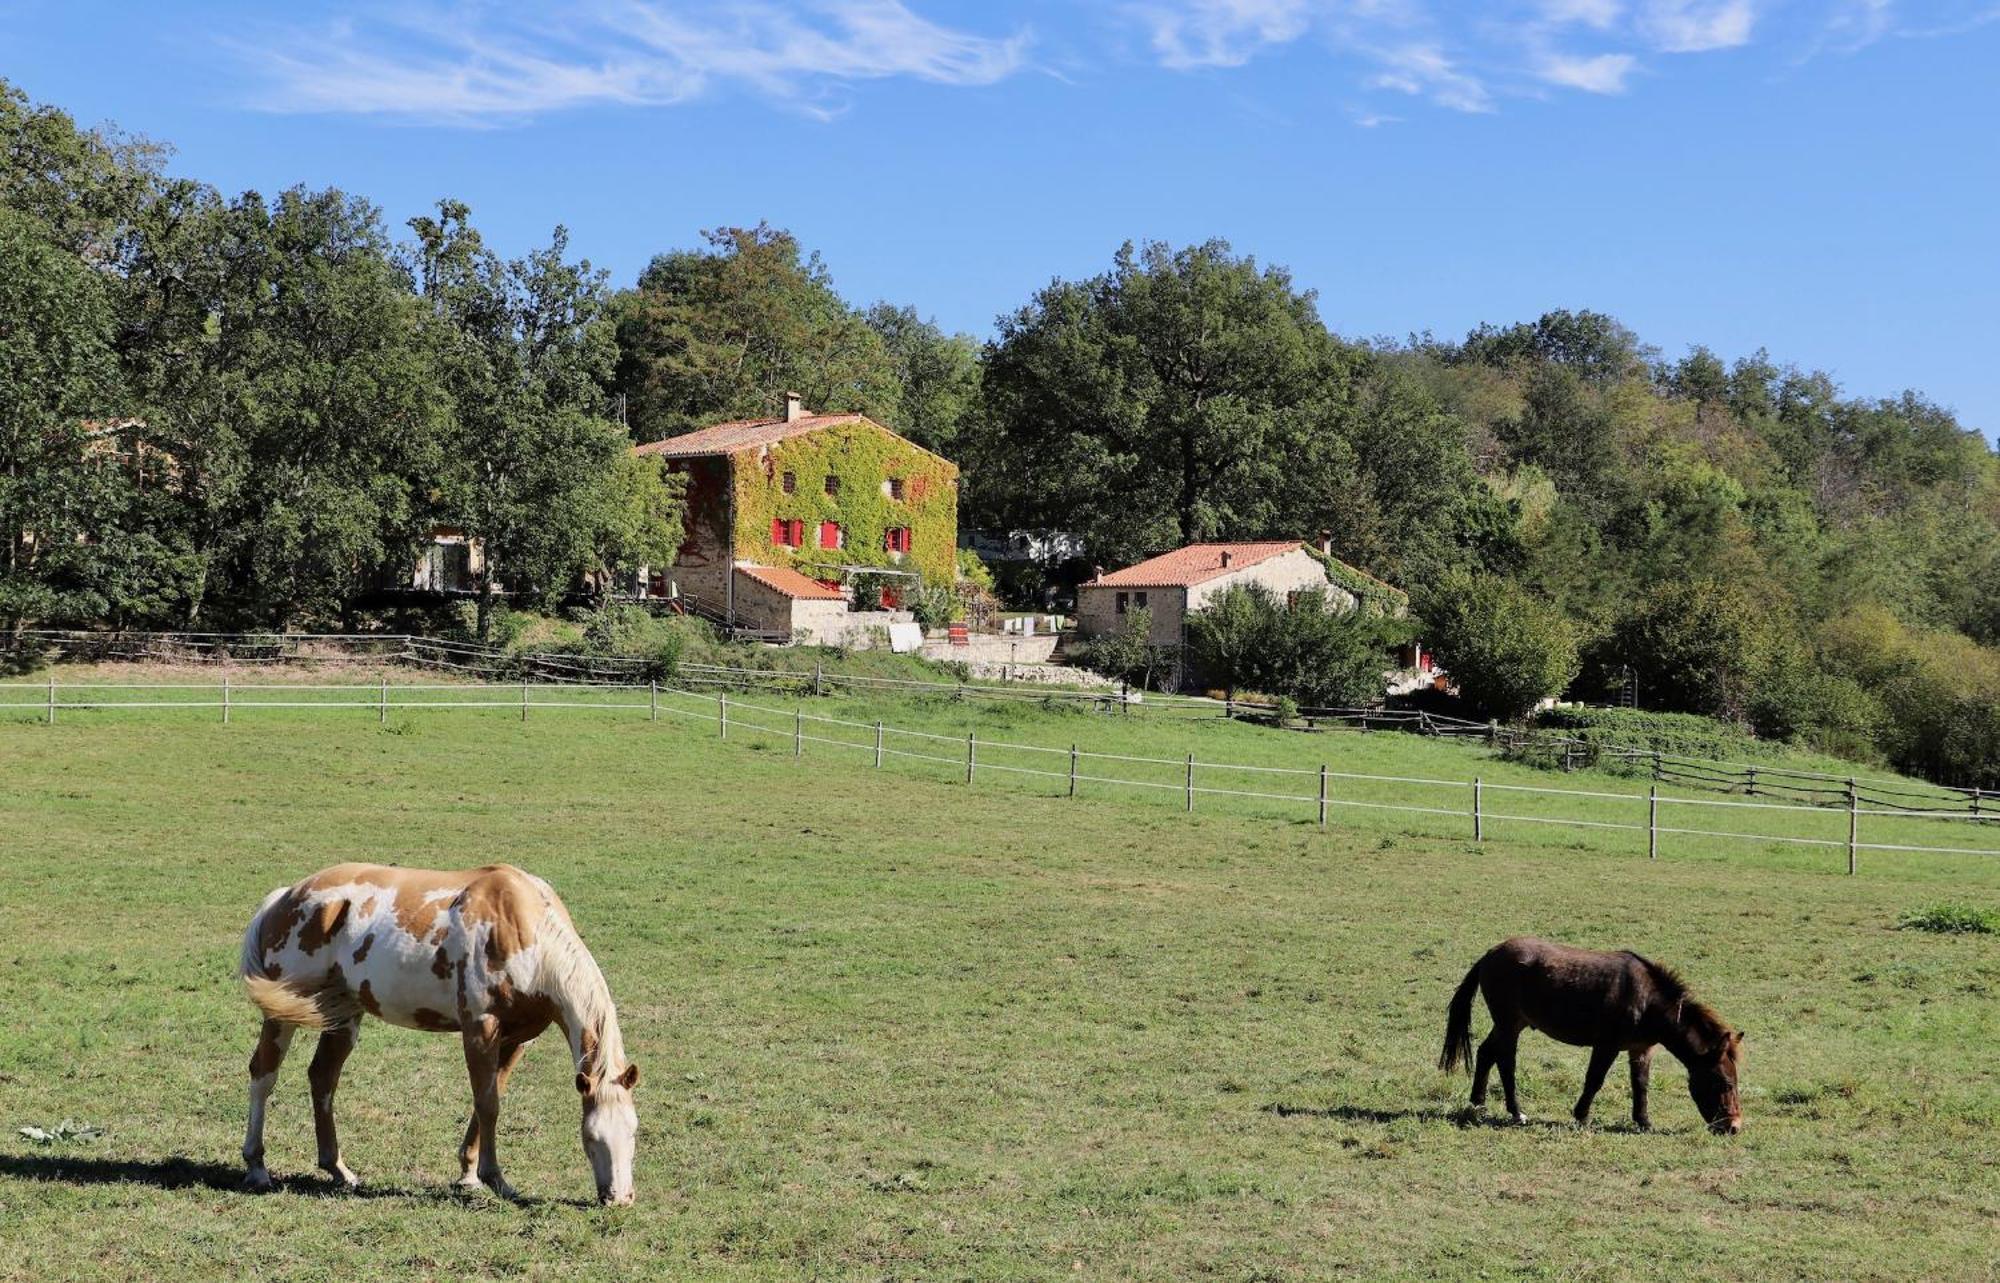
(1518, 1119)
(496, 1184)
(259, 1182)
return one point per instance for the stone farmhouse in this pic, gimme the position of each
(1175, 584)
(787, 517)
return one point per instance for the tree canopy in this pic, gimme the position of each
(246, 410)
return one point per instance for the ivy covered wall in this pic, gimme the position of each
(1374, 596)
(862, 456)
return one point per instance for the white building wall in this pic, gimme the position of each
(1295, 571)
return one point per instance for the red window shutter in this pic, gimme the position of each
(798, 532)
(829, 535)
(777, 530)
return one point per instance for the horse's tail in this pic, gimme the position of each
(1458, 1024)
(313, 1004)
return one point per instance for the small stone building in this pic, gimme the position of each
(785, 515)
(1174, 585)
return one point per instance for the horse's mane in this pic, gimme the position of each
(571, 976)
(1665, 978)
(1693, 1014)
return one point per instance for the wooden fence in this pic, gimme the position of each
(1476, 804)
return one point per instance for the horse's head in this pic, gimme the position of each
(610, 1125)
(1712, 1083)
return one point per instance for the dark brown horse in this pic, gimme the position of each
(1608, 1002)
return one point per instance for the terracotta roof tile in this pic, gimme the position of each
(1197, 563)
(728, 438)
(791, 583)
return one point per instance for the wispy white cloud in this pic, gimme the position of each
(1220, 33)
(1599, 14)
(1424, 70)
(1697, 26)
(492, 63)
(1603, 74)
(483, 62)
(1853, 25)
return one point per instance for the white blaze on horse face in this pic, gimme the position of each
(610, 1131)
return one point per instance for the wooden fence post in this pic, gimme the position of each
(1750, 789)
(1478, 810)
(798, 733)
(1653, 822)
(1853, 824)
(225, 699)
(818, 678)
(722, 714)
(52, 701)
(524, 700)
(383, 701)
(1072, 770)
(970, 742)
(1322, 794)
(653, 699)
(1190, 783)
(878, 743)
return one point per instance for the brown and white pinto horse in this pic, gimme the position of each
(1608, 1002)
(488, 954)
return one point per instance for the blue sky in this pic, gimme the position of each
(1818, 177)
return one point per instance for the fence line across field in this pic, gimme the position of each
(523, 697)
(478, 660)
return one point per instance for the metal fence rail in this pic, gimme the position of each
(1330, 791)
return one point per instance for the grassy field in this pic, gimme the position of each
(893, 1027)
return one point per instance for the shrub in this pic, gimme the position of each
(1674, 734)
(1306, 652)
(1703, 646)
(1952, 919)
(1127, 655)
(933, 605)
(974, 571)
(1506, 649)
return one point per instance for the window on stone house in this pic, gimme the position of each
(895, 485)
(1124, 599)
(791, 482)
(832, 484)
(1139, 600)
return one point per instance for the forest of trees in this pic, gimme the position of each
(235, 411)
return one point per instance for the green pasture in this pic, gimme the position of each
(895, 1027)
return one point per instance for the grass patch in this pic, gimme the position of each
(1952, 919)
(895, 1027)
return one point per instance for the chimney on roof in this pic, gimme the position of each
(1225, 558)
(794, 407)
(1326, 543)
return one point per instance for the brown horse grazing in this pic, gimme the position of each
(1608, 1002)
(488, 954)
